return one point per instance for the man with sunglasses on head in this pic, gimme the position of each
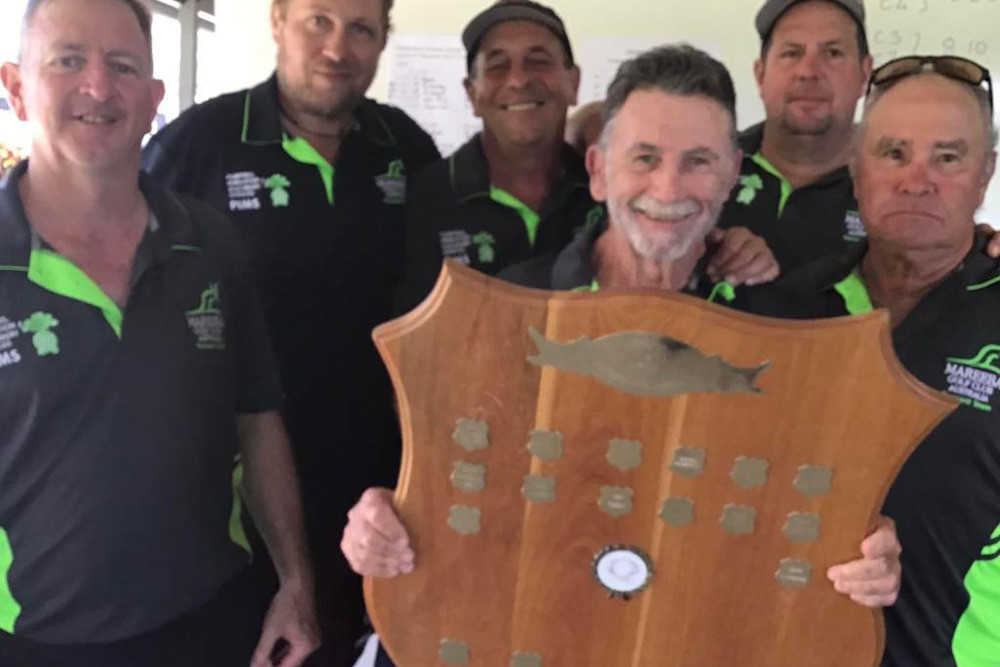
(922, 160)
(794, 189)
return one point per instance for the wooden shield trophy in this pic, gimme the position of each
(636, 479)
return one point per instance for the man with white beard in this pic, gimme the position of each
(665, 164)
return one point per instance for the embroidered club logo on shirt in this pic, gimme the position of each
(39, 325)
(750, 185)
(206, 321)
(854, 229)
(278, 185)
(243, 188)
(455, 245)
(484, 242)
(9, 332)
(975, 380)
(393, 183)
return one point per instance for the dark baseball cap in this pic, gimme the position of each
(512, 10)
(775, 9)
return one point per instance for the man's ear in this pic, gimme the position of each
(10, 74)
(596, 162)
(758, 73)
(277, 21)
(574, 80)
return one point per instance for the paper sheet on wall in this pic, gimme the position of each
(425, 81)
(599, 58)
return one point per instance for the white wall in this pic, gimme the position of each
(243, 52)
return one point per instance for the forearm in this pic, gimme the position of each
(271, 490)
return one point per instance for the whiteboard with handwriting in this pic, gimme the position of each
(969, 28)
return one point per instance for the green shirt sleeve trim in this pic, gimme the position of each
(236, 532)
(529, 217)
(983, 285)
(302, 151)
(786, 187)
(976, 642)
(9, 607)
(53, 272)
(852, 289)
(723, 290)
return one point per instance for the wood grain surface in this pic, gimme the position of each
(834, 395)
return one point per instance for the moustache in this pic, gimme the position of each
(659, 210)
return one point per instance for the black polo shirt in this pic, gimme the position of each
(800, 225)
(118, 438)
(455, 212)
(572, 269)
(946, 499)
(325, 244)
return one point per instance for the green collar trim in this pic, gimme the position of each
(852, 289)
(53, 272)
(529, 217)
(302, 151)
(11, 267)
(786, 187)
(594, 286)
(722, 290)
(975, 288)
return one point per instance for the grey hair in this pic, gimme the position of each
(138, 7)
(982, 99)
(679, 69)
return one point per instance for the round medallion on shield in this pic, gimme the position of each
(622, 570)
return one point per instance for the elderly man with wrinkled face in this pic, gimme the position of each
(923, 159)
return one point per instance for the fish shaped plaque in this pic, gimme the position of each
(646, 364)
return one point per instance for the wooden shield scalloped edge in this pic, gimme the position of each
(453, 272)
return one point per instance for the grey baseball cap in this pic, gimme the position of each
(512, 10)
(774, 9)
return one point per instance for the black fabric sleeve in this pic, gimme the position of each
(256, 369)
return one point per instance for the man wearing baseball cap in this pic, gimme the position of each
(794, 188)
(516, 190)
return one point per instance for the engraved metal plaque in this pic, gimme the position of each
(546, 445)
(814, 480)
(738, 520)
(688, 461)
(464, 520)
(749, 472)
(625, 454)
(453, 652)
(526, 659)
(616, 501)
(793, 573)
(539, 488)
(468, 477)
(802, 527)
(471, 435)
(677, 511)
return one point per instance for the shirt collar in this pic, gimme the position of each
(262, 118)
(470, 175)
(170, 226)
(751, 139)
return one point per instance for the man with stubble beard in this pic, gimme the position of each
(314, 176)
